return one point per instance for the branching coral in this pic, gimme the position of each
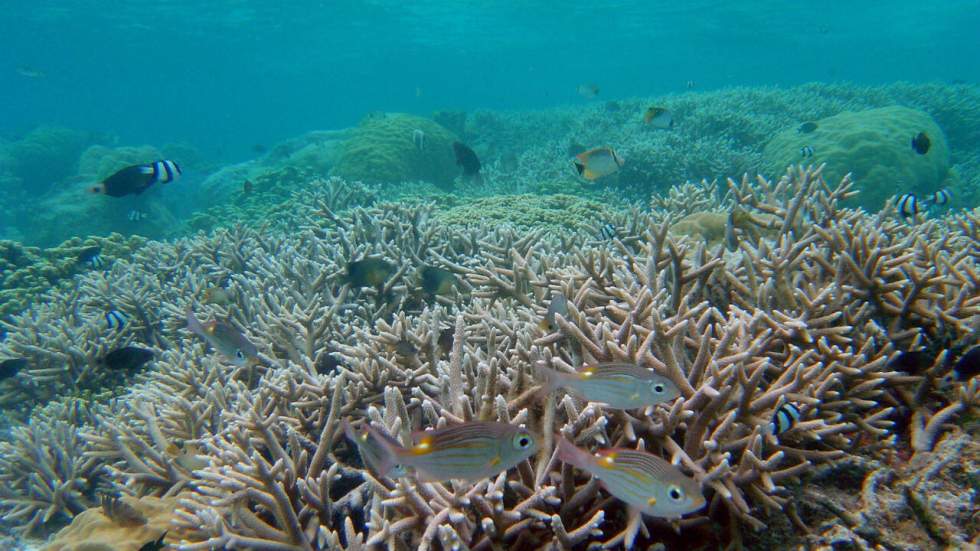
(809, 311)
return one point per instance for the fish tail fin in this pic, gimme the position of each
(572, 454)
(193, 325)
(550, 379)
(389, 453)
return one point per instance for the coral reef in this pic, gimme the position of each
(26, 273)
(811, 311)
(145, 520)
(382, 150)
(875, 147)
(45, 156)
(558, 212)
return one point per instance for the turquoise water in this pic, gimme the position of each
(389, 203)
(226, 75)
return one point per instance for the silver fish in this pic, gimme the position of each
(469, 451)
(618, 385)
(559, 306)
(225, 339)
(644, 481)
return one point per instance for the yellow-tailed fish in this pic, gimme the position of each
(617, 385)
(225, 338)
(658, 117)
(558, 305)
(647, 483)
(371, 451)
(596, 163)
(469, 451)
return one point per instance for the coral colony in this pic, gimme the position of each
(741, 363)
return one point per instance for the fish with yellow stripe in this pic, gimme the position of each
(467, 451)
(615, 384)
(647, 483)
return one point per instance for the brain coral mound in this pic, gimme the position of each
(875, 145)
(383, 149)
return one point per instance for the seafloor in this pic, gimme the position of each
(803, 285)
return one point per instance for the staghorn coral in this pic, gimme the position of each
(810, 313)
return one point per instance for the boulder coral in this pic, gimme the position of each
(875, 146)
(382, 150)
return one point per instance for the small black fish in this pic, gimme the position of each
(806, 151)
(912, 362)
(446, 338)
(370, 272)
(908, 205)
(612, 106)
(437, 281)
(129, 358)
(10, 368)
(136, 179)
(466, 158)
(968, 366)
(784, 418)
(259, 148)
(807, 127)
(154, 545)
(114, 319)
(921, 143)
(405, 348)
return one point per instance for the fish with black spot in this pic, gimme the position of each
(127, 358)
(136, 179)
(368, 272)
(155, 545)
(921, 143)
(597, 163)
(437, 281)
(11, 367)
(470, 163)
(806, 128)
(968, 365)
(658, 117)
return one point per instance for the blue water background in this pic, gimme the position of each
(225, 75)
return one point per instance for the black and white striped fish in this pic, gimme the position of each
(136, 179)
(785, 418)
(806, 151)
(91, 256)
(608, 231)
(114, 319)
(908, 205)
(939, 198)
(136, 215)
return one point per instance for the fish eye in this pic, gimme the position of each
(675, 493)
(658, 388)
(239, 355)
(523, 441)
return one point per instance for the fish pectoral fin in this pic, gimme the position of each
(589, 175)
(495, 461)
